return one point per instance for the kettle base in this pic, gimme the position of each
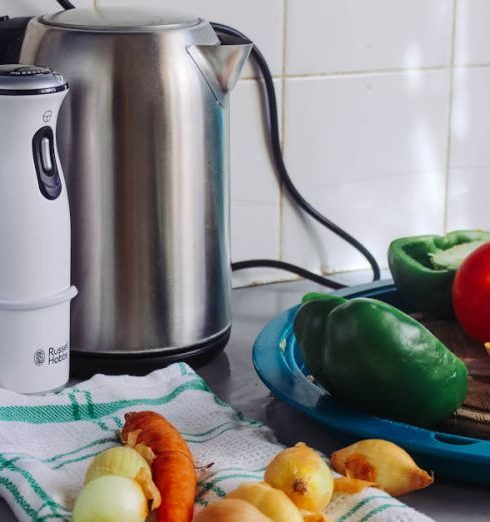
(84, 364)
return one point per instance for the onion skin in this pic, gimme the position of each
(351, 486)
(231, 510)
(303, 475)
(315, 517)
(111, 499)
(272, 502)
(383, 463)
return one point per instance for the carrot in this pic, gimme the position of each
(174, 476)
(173, 468)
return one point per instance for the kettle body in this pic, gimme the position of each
(144, 139)
(35, 289)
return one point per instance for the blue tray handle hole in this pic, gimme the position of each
(454, 439)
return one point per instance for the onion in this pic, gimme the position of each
(303, 475)
(382, 463)
(273, 503)
(125, 462)
(111, 499)
(231, 510)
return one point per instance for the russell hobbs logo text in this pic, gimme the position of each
(55, 355)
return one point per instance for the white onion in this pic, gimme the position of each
(111, 499)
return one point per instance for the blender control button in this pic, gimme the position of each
(48, 175)
(46, 155)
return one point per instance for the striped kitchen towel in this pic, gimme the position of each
(47, 442)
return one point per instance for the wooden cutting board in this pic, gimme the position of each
(473, 418)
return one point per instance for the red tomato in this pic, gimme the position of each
(471, 294)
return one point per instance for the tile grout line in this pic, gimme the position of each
(472, 66)
(372, 71)
(283, 125)
(360, 72)
(450, 118)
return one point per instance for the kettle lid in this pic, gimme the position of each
(119, 18)
(18, 80)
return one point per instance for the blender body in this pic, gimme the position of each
(35, 289)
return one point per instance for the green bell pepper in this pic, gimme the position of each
(423, 267)
(379, 359)
(309, 330)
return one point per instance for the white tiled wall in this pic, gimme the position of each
(369, 151)
(385, 121)
(328, 36)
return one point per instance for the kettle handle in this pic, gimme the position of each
(12, 32)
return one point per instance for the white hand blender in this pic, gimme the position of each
(35, 291)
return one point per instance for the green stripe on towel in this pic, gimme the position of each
(360, 505)
(57, 413)
(381, 508)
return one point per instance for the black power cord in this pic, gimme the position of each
(284, 177)
(288, 267)
(66, 4)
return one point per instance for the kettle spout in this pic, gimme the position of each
(221, 65)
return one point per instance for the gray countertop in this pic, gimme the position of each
(232, 376)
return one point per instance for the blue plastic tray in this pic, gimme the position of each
(278, 363)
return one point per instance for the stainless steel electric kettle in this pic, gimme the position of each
(144, 144)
